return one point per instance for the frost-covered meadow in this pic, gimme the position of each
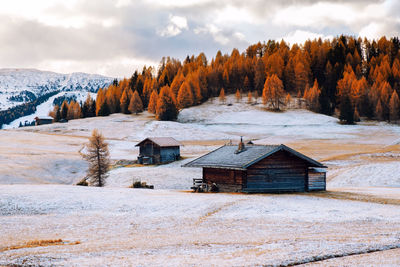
(117, 225)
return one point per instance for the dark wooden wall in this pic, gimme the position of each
(281, 172)
(168, 154)
(148, 149)
(316, 181)
(158, 154)
(227, 180)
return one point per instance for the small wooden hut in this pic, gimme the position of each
(43, 120)
(158, 150)
(260, 169)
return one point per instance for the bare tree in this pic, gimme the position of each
(98, 157)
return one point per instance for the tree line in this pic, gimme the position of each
(352, 77)
(11, 114)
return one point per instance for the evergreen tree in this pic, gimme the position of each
(379, 111)
(85, 109)
(104, 110)
(92, 109)
(64, 110)
(98, 158)
(57, 115)
(166, 105)
(135, 105)
(346, 110)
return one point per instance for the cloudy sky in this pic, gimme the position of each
(114, 37)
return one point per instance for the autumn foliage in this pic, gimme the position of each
(321, 73)
(273, 93)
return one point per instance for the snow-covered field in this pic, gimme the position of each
(140, 227)
(167, 226)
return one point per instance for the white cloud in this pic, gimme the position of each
(235, 15)
(215, 32)
(177, 3)
(299, 37)
(175, 26)
(325, 14)
(371, 31)
(239, 36)
(107, 36)
(219, 35)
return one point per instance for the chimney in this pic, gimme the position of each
(241, 147)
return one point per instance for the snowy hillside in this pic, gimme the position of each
(44, 108)
(48, 222)
(23, 85)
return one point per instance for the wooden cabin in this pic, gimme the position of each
(43, 120)
(260, 169)
(158, 150)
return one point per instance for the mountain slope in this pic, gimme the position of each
(18, 86)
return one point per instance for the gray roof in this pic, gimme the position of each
(162, 141)
(225, 157)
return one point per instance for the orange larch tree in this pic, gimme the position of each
(153, 102)
(166, 105)
(273, 92)
(185, 96)
(135, 104)
(124, 101)
(238, 96)
(222, 97)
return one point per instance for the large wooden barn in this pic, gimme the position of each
(157, 150)
(260, 169)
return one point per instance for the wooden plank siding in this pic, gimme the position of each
(168, 154)
(316, 181)
(261, 169)
(151, 153)
(226, 180)
(281, 172)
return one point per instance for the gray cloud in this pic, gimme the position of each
(106, 35)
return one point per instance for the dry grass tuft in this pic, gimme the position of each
(40, 243)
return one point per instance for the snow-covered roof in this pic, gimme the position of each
(44, 118)
(161, 141)
(227, 157)
(319, 169)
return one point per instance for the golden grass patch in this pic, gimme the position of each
(40, 243)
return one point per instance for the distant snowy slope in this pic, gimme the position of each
(18, 86)
(44, 108)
